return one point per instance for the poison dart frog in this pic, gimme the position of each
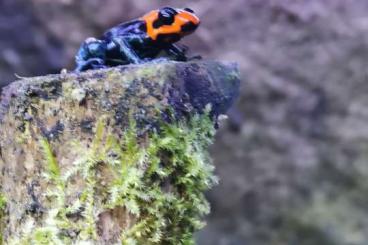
(139, 40)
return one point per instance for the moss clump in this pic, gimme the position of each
(169, 199)
(158, 181)
(2, 216)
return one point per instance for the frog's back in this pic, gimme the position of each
(135, 28)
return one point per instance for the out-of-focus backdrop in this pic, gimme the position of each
(293, 158)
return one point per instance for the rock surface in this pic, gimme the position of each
(65, 137)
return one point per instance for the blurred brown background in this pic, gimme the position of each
(293, 158)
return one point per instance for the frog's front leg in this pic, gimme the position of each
(91, 55)
(180, 53)
(126, 50)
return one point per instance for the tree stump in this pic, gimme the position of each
(112, 156)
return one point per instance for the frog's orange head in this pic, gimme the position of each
(170, 25)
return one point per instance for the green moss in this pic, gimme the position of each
(2, 202)
(160, 184)
(2, 215)
(53, 170)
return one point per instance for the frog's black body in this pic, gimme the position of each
(139, 40)
(134, 32)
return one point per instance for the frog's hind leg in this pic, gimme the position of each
(91, 55)
(93, 63)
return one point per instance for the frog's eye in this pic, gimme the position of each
(168, 10)
(167, 15)
(189, 10)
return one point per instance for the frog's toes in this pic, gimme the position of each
(159, 60)
(195, 57)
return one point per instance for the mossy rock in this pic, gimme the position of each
(115, 156)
